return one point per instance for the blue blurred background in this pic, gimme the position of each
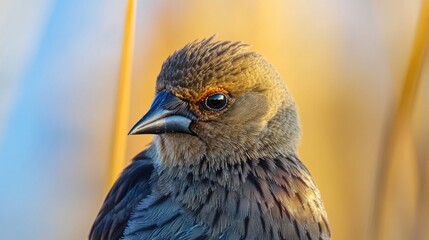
(343, 61)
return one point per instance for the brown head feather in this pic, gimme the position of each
(260, 119)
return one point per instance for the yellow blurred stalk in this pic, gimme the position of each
(119, 147)
(401, 120)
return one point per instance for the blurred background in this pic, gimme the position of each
(343, 61)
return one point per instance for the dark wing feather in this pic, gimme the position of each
(160, 217)
(132, 186)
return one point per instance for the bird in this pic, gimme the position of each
(223, 162)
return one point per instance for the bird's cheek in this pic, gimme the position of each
(249, 109)
(211, 132)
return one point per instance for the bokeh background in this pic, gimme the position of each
(343, 61)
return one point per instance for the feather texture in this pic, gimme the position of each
(235, 173)
(270, 199)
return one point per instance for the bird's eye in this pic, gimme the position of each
(216, 101)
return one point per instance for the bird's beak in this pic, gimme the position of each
(168, 114)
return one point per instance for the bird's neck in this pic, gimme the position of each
(229, 176)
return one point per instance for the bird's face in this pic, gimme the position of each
(212, 97)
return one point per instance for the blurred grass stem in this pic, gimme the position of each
(401, 118)
(118, 154)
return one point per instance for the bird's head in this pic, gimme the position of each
(218, 101)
